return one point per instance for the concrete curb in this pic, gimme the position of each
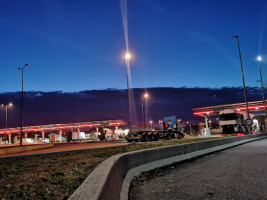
(112, 178)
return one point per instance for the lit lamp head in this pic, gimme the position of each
(146, 95)
(10, 104)
(127, 56)
(259, 58)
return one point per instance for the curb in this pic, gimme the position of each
(112, 178)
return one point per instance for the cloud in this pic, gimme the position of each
(85, 106)
(259, 81)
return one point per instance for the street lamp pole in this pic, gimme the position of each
(151, 122)
(159, 123)
(190, 129)
(143, 113)
(6, 106)
(146, 106)
(3, 105)
(244, 85)
(263, 98)
(127, 58)
(21, 107)
(6, 116)
(10, 104)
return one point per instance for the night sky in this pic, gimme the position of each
(78, 45)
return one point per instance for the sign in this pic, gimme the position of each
(249, 122)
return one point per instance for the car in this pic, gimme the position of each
(45, 140)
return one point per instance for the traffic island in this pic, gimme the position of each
(112, 178)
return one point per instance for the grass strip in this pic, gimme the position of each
(57, 176)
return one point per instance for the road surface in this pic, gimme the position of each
(236, 173)
(71, 146)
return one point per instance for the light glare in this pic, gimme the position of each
(127, 56)
(146, 95)
(259, 58)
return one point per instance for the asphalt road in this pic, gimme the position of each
(59, 147)
(236, 173)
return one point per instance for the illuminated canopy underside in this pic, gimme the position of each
(52, 127)
(214, 110)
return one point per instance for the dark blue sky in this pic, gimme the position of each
(78, 45)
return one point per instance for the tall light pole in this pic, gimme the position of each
(21, 107)
(127, 59)
(190, 129)
(160, 124)
(146, 106)
(6, 106)
(143, 112)
(151, 122)
(244, 85)
(263, 98)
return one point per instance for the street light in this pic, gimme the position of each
(127, 59)
(160, 125)
(160, 122)
(143, 112)
(244, 85)
(151, 122)
(190, 130)
(263, 98)
(259, 58)
(128, 56)
(21, 107)
(145, 97)
(10, 104)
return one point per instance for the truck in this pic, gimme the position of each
(232, 121)
(143, 136)
(172, 127)
(255, 127)
(56, 138)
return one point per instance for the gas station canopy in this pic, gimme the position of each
(214, 110)
(52, 127)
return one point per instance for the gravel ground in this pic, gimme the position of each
(237, 173)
